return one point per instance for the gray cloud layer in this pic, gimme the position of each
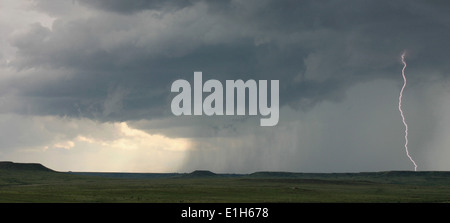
(316, 49)
(116, 60)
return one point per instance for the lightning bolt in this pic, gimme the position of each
(401, 111)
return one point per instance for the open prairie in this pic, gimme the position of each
(35, 183)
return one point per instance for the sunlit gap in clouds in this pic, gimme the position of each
(84, 145)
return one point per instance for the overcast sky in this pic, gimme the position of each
(85, 84)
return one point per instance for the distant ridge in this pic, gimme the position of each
(392, 173)
(8, 165)
(272, 174)
(202, 173)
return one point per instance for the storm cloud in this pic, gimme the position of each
(337, 62)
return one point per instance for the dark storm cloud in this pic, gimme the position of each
(317, 49)
(134, 6)
(100, 62)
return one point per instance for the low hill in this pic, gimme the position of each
(7, 165)
(201, 173)
(35, 174)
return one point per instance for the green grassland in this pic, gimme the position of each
(37, 184)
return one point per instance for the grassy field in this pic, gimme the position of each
(30, 185)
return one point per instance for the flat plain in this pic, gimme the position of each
(31, 183)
